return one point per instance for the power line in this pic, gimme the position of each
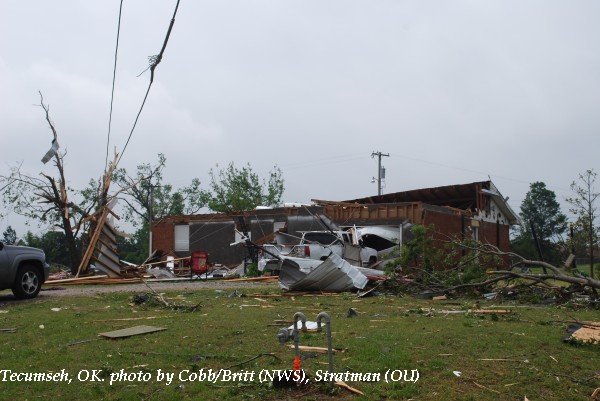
(154, 60)
(112, 95)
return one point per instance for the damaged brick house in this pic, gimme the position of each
(476, 210)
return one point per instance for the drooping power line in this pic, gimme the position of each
(155, 60)
(112, 95)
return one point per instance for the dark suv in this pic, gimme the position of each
(22, 269)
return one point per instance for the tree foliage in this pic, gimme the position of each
(9, 236)
(584, 206)
(135, 248)
(541, 210)
(241, 189)
(431, 265)
(54, 244)
(147, 198)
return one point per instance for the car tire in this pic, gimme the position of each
(28, 282)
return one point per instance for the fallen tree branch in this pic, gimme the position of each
(585, 281)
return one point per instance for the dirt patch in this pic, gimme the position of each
(91, 290)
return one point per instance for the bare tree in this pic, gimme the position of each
(584, 207)
(48, 199)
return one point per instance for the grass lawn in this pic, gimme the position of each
(458, 356)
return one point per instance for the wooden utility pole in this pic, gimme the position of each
(379, 156)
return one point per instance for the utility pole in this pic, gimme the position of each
(151, 217)
(379, 156)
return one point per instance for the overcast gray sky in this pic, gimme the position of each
(455, 90)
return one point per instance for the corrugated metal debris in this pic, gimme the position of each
(334, 274)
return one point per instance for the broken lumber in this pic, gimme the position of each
(76, 279)
(321, 350)
(490, 311)
(347, 387)
(263, 279)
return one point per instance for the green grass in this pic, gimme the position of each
(390, 333)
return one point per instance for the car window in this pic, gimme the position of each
(322, 238)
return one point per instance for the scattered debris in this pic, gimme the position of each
(490, 311)
(99, 279)
(156, 299)
(160, 273)
(351, 313)
(81, 342)
(131, 318)
(333, 274)
(263, 279)
(252, 359)
(584, 333)
(8, 330)
(347, 387)
(321, 350)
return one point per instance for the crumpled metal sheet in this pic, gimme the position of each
(334, 274)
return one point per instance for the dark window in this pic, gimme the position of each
(321, 238)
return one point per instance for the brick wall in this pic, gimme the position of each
(163, 237)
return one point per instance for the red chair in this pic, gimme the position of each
(200, 262)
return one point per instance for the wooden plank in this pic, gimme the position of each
(347, 387)
(165, 261)
(132, 331)
(321, 350)
(264, 278)
(68, 280)
(490, 311)
(92, 244)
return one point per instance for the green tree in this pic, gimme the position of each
(135, 248)
(9, 236)
(54, 245)
(241, 189)
(584, 206)
(147, 198)
(540, 209)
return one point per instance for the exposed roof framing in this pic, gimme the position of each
(474, 197)
(462, 196)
